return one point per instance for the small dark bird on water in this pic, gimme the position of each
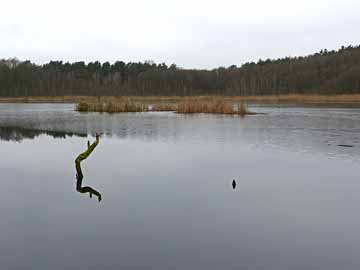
(233, 184)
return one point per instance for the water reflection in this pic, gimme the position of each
(18, 134)
(79, 174)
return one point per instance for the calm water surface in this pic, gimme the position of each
(167, 200)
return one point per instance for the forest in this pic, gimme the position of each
(326, 72)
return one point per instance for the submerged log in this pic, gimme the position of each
(79, 174)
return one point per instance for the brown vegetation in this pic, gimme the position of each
(218, 106)
(215, 105)
(112, 106)
(163, 107)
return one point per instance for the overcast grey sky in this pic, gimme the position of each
(190, 33)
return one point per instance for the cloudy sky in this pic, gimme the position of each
(190, 33)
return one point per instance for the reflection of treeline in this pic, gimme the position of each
(18, 134)
(326, 72)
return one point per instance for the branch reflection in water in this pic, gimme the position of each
(79, 174)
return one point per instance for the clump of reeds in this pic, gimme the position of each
(164, 107)
(214, 106)
(82, 107)
(126, 105)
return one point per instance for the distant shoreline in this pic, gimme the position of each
(280, 99)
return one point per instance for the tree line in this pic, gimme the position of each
(325, 72)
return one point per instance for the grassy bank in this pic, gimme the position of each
(186, 105)
(295, 99)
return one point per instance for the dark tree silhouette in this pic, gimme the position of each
(325, 72)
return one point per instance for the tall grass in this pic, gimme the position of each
(123, 105)
(164, 107)
(214, 106)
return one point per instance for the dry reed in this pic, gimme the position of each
(109, 106)
(214, 106)
(164, 107)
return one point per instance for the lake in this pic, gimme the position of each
(167, 199)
